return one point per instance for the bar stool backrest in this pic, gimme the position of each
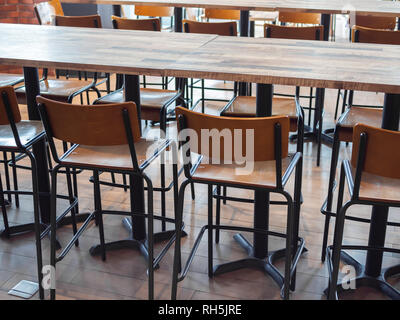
(302, 33)
(218, 28)
(136, 24)
(222, 14)
(46, 11)
(263, 134)
(376, 151)
(91, 21)
(375, 22)
(8, 102)
(154, 11)
(367, 35)
(299, 17)
(99, 125)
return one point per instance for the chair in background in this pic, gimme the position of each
(7, 79)
(243, 106)
(96, 148)
(152, 24)
(155, 12)
(270, 161)
(47, 11)
(218, 28)
(368, 115)
(371, 22)
(373, 178)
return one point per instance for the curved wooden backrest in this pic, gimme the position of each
(99, 125)
(12, 99)
(303, 33)
(222, 14)
(375, 22)
(367, 35)
(46, 11)
(92, 21)
(136, 24)
(382, 151)
(263, 134)
(154, 11)
(299, 17)
(218, 28)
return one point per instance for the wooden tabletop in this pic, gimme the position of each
(107, 50)
(323, 64)
(259, 60)
(364, 7)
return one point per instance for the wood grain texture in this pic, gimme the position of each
(107, 50)
(368, 7)
(357, 66)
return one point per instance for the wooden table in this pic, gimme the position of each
(352, 66)
(131, 53)
(325, 7)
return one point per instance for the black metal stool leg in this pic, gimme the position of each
(15, 179)
(332, 175)
(7, 174)
(99, 215)
(53, 225)
(38, 229)
(71, 201)
(210, 233)
(224, 190)
(4, 211)
(218, 214)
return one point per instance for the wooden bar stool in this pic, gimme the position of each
(244, 106)
(155, 12)
(58, 89)
(372, 22)
(152, 24)
(373, 178)
(18, 136)
(371, 116)
(96, 148)
(7, 79)
(217, 165)
(218, 28)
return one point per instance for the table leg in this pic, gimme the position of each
(178, 15)
(258, 255)
(371, 274)
(116, 10)
(244, 32)
(326, 22)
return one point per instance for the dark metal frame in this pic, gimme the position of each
(363, 277)
(138, 241)
(292, 240)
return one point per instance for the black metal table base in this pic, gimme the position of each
(132, 243)
(364, 280)
(266, 264)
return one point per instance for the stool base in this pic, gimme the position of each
(363, 280)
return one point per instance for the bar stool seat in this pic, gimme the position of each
(354, 115)
(10, 79)
(115, 157)
(151, 101)
(28, 130)
(377, 188)
(263, 174)
(245, 106)
(56, 89)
